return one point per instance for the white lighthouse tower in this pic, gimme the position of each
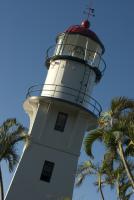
(60, 112)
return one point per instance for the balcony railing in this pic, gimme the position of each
(90, 57)
(66, 93)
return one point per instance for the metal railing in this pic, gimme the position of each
(90, 57)
(78, 97)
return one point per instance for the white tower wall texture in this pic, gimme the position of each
(69, 80)
(59, 117)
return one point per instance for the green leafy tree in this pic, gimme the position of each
(11, 133)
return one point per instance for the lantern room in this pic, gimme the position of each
(79, 43)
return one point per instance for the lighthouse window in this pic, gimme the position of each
(78, 52)
(47, 171)
(61, 121)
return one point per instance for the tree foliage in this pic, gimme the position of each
(116, 133)
(11, 133)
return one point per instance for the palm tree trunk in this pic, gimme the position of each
(102, 196)
(1, 186)
(100, 187)
(118, 191)
(126, 166)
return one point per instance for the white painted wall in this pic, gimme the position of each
(62, 148)
(27, 184)
(71, 81)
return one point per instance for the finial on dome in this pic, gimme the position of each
(85, 24)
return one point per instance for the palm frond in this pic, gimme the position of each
(84, 169)
(123, 190)
(127, 197)
(130, 132)
(11, 133)
(129, 151)
(9, 123)
(20, 134)
(130, 116)
(108, 161)
(90, 139)
(120, 104)
(80, 180)
(12, 159)
(109, 137)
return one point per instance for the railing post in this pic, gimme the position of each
(54, 90)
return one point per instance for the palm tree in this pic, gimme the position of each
(116, 131)
(11, 132)
(88, 168)
(106, 177)
(124, 186)
(117, 178)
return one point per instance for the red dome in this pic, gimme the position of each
(83, 29)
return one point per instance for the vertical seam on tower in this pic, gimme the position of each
(56, 78)
(86, 82)
(81, 85)
(48, 108)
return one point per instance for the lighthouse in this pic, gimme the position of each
(61, 110)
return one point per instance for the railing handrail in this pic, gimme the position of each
(91, 101)
(103, 65)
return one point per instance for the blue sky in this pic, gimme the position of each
(29, 27)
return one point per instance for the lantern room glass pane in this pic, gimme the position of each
(93, 58)
(79, 46)
(59, 46)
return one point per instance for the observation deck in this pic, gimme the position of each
(66, 94)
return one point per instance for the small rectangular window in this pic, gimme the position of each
(47, 171)
(61, 121)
